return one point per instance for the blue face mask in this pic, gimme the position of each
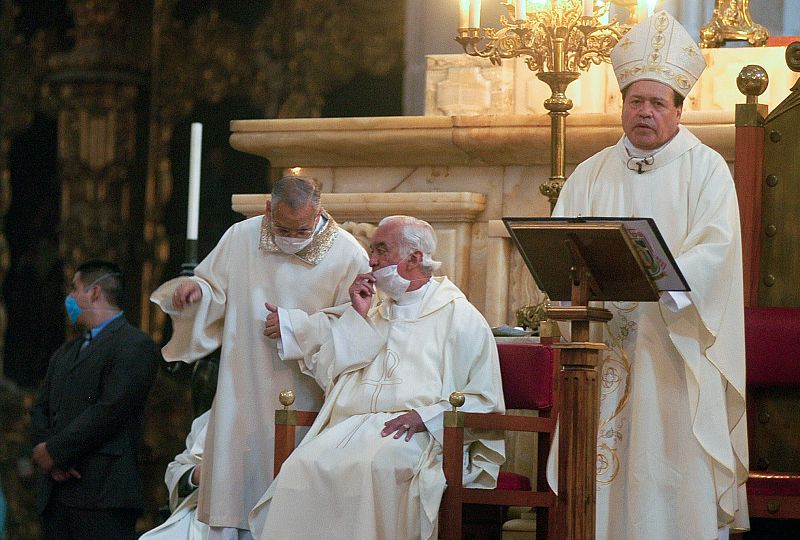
(73, 309)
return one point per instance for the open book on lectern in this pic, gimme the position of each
(627, 257)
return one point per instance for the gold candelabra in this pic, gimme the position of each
(731, 21)
(559, 40)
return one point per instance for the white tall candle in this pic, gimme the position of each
(588, 8)
(475, 14)
(463, 13)
(521, 9)
(644, 9)
(193, 216)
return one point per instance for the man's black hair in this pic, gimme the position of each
(109, 278)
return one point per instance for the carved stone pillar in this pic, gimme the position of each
(97, 89)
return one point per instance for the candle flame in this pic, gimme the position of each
(296, 171)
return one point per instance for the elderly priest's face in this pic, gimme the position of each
(650, 117)
(385, 249)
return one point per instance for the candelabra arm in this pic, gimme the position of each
(559, 105)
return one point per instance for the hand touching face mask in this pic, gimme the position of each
(388, 280)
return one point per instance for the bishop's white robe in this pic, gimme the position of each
(182, 523)
(672, 441)
(244, 271)
(345, 481)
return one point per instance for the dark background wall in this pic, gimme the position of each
(189, 61)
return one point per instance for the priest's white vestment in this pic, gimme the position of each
(345, 481)
(245, 270)
(182, 523)
(672, 440)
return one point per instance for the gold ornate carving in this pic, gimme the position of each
(96, 87)
(731, 21)
(361, 231)
(96, 151)
(557, 42)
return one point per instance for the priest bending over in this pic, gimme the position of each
(371, 465)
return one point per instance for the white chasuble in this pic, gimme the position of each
(345, 481)
(244, 271)
(672, 440)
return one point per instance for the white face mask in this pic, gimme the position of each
(390, 282)
(290, 245)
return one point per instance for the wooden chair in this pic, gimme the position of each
(773, 387)
(529, 376)
(286, 423)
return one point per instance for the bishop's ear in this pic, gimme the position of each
(415, 259)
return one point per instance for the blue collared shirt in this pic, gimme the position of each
(99, 328)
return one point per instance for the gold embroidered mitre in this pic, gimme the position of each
(658, 49)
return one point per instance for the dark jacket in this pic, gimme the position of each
(89, 411)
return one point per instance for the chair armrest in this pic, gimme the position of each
(508, 422)
(286, 422)
(290, 417)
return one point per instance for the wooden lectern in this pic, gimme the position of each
(583, 260)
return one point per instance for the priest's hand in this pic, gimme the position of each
(196, 474)
(362, 291)
(60, 475)
(406, 424)
(272, 326)
(41, 458)
(187, 293)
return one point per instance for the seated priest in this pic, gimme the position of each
(371, 465)
(182, 479)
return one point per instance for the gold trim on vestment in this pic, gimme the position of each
(615, 371)
(314, 252)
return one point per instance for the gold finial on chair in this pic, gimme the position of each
(286, 397)
(457, 400)
(752, 82)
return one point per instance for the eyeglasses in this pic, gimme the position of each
(303, 232)
(292, 233)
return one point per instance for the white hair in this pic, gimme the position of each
(415, 235)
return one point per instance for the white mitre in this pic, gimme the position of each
(658, 49)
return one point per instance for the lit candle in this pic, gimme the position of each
(475, 14)
(588, 8)
(644, 8)
(521, 10)
(463, 13)
(538, 5)
(194, 182)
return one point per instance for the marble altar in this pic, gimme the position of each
(480, 153)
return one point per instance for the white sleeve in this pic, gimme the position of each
(287, 345)
(676, 300)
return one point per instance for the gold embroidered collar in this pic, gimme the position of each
(314, 252)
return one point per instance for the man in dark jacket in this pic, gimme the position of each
(86, 425)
